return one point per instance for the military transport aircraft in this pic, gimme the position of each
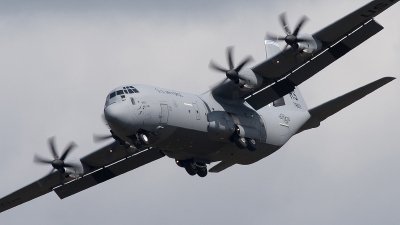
(249, 115)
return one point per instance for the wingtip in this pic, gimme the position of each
(388, 79)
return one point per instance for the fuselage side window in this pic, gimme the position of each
(279, 102)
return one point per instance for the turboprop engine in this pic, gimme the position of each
(72, 167)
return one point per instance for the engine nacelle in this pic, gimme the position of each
(78, 168)
(310, 46)
(248, 79)
(221, 126)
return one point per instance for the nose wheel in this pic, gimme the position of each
(140, 139)
(143, 138)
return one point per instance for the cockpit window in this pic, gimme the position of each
(130, 91)
(112, 95)
(126, 92)
(120, 92)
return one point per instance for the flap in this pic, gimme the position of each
(109, 172)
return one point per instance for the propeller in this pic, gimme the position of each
(290, 38)
(232, 73)
(102, 137)
(58, 161)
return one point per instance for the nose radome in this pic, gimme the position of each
(117, 115)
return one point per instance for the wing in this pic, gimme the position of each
(101, 165)
(282, 72)
(295, 76)
(31, 191)
(108, 172)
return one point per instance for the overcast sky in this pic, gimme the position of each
(59, 60)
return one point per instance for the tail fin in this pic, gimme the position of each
(327, 109)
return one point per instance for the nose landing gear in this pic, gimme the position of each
(140, 139)
(192, 167)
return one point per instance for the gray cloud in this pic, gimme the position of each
(59, 59)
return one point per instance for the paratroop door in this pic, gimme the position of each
(164, 113)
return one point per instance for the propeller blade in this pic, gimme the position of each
(245, 61)
(53, 147)
(282, 19)
(39, 159)
(218, 83)
(229, 57)
(274, 37)
(301, 23)
(67, 150)
(103, 118)
(215, 66)
(98, 137)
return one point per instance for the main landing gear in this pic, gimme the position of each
(192, 167)
(242, 142)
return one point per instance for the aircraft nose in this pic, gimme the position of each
(117, 115)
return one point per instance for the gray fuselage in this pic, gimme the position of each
(188, 126)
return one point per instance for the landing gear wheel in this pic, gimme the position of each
(240, 142)
(251, 144)
(202, 172)
(144, 140)
(190, 168)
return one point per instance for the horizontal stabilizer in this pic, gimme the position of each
(221, 166)
(323, 111)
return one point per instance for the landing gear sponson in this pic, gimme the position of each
(242, 142)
